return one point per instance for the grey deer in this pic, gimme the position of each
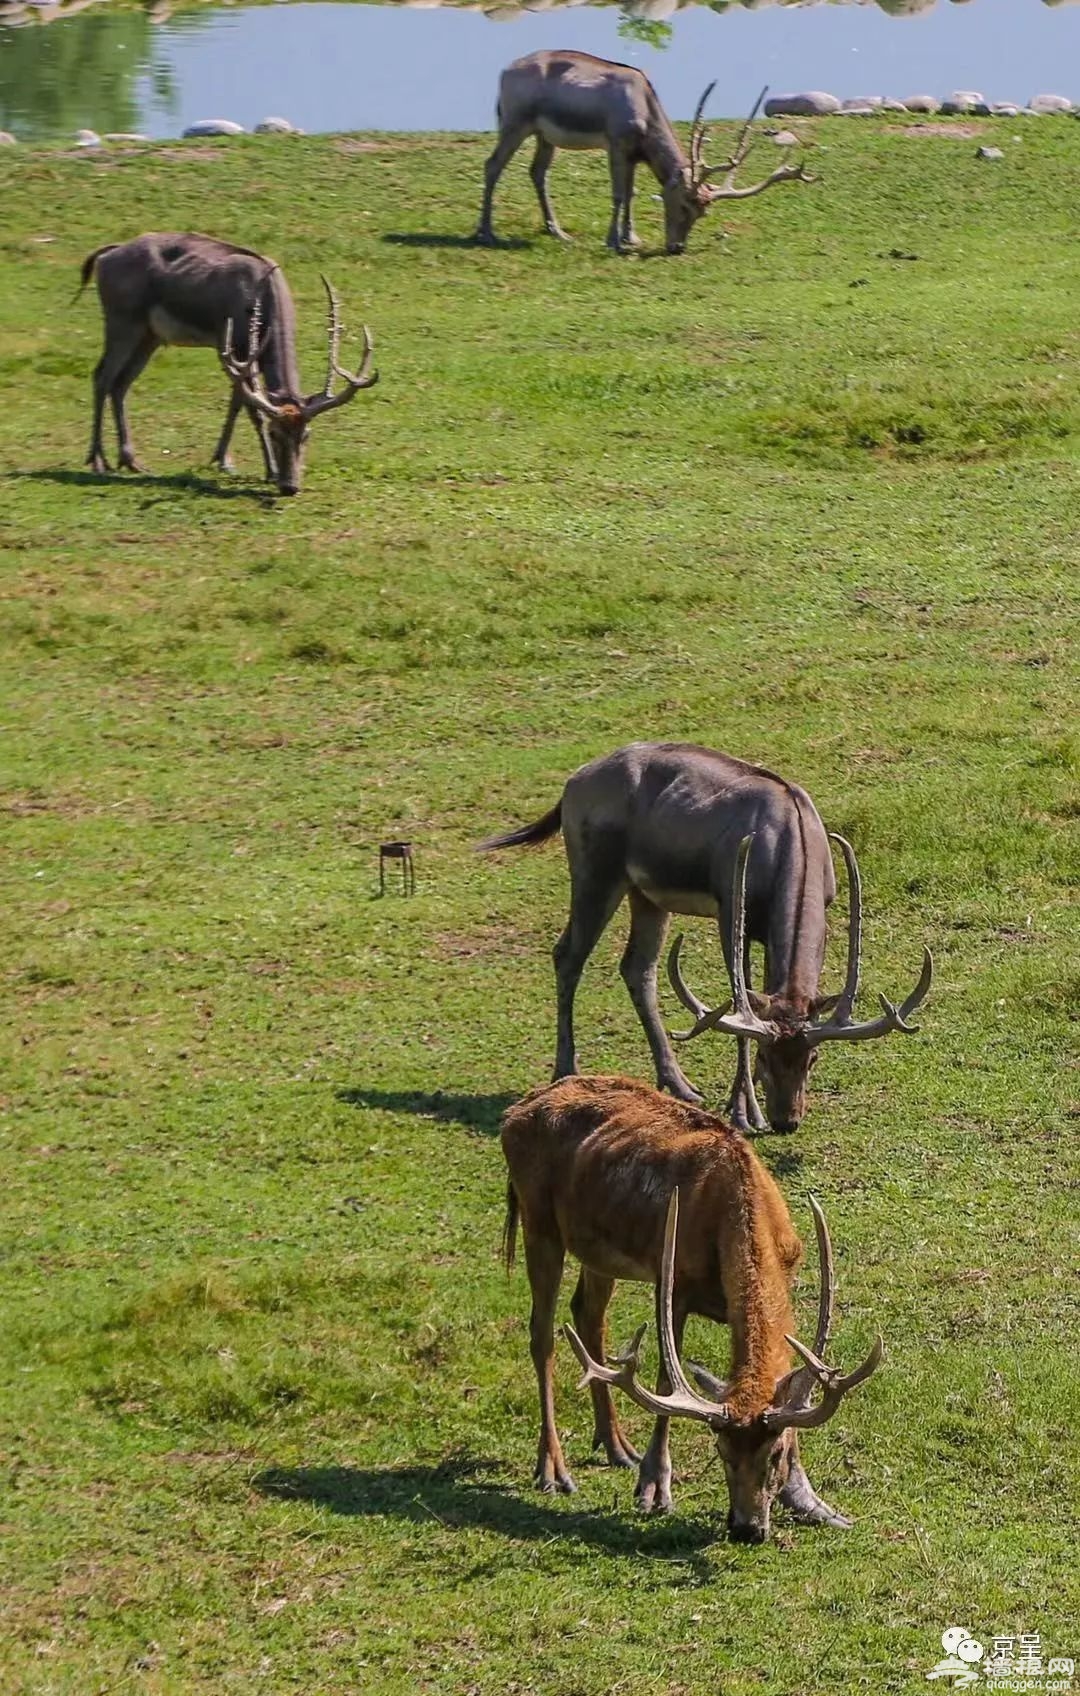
(676, 828)
(195, 291)
(570, 99)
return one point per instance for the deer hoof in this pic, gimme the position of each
(653, 1497)
(561, 1485)
(617, 1450)
(128, 462)
(486, 238)
(681, 1089)
(99, 464)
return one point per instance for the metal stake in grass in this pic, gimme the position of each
(402, 851)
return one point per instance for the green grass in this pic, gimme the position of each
(269, 1418)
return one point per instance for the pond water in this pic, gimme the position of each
(422, 66)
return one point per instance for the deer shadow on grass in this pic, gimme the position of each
(429, 238)
(186, 481)
(476, 1112)
(460, 1494)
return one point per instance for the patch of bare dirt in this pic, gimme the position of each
(958, 132)
(485, 939)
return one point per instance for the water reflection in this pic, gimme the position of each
(82, 76)
(416, 64)
(13, 12)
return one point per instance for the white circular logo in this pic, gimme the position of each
(969, 1650)
(955, 1635)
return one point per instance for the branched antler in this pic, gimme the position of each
(363, 378)
(683, 1400)
(247, 373)
(700, 172)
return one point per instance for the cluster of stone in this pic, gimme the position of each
(961, 103)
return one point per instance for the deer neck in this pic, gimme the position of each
(795, 948)
(279, 366)
(662, 149)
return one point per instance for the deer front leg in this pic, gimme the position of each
(629, 236)
(221, 455)
(588, 1306)
(507, 145)
(648, 928)
(803, 1502)
(538, 171)
(621, 192)
(742, 1109)
(544, 1258)
(653, 1493)
(262, 430)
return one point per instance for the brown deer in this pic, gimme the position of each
(571, 99)
(195, 291)
(637, 1185)
(680, 829)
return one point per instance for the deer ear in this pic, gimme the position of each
(759, 1003)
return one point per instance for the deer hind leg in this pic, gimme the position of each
(588, 1305)
(137, 363)
(538, 171)
(594, 896)
(648, 928)
(509, 141)
(653, 1493)
(123, 339)
(544, 1257)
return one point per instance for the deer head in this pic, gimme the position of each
(288, 421)
(688, 194)
(787, 1049)
(760, 1454)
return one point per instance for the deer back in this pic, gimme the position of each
(593, 1161)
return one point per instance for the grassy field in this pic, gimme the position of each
(811, 495)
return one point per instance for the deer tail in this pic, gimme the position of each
(510, 1227)
(528, 834)
(88, 267)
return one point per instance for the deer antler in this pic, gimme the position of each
(363, 378)
(683, 1400)
(246, 373)
(892, 1018)
(783, 173)
(799, 1387)
(742, 146)
(743, 1021)
(697, 137)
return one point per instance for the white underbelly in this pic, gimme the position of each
(693, 903)
(569, 138)
(169, 329)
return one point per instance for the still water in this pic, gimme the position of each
(422, 66)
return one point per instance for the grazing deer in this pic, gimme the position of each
(671, 826)
(570, 99)
(194, 291)
(636, 1185)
